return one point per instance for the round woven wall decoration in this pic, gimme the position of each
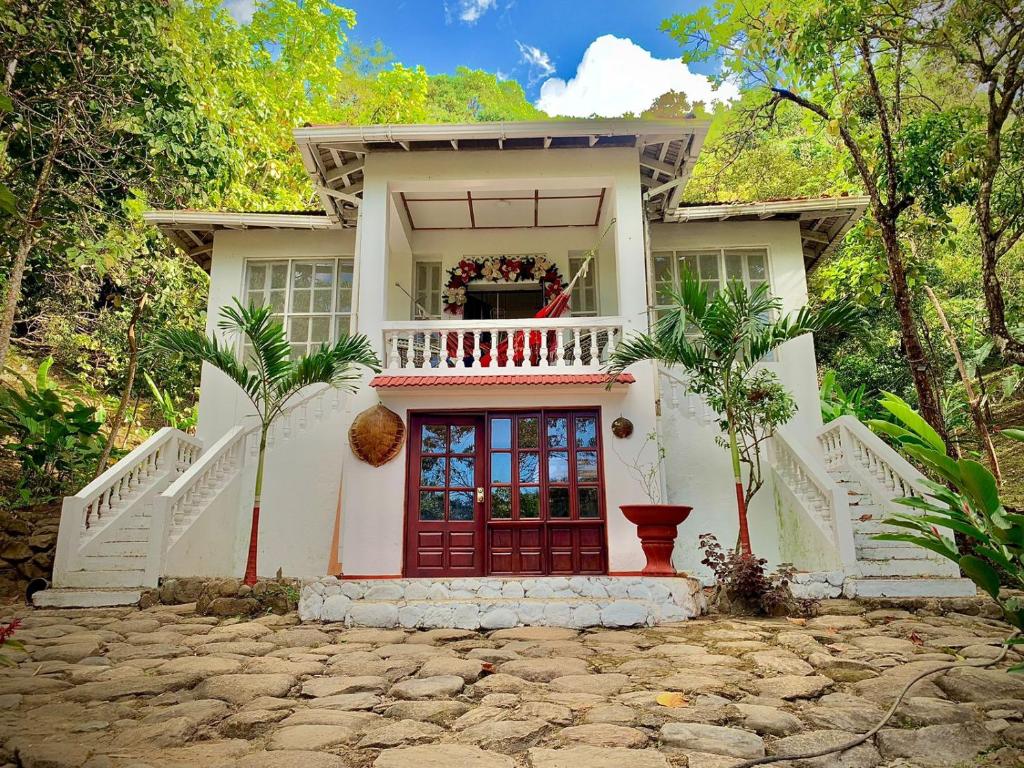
(376, 435)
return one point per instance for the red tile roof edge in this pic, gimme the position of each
(490, 380)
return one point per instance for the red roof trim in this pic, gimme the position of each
(488, 380)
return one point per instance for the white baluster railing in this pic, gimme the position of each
(804, 487)
(481, 346)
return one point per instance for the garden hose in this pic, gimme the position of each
(888, 715)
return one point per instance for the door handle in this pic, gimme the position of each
(479, 495)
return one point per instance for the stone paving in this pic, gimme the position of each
(165, 687)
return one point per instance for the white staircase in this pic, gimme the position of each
(168, 504)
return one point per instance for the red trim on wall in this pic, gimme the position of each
(488, 380)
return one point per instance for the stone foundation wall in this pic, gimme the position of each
(226, 597)
(492, 603)
(28, 538)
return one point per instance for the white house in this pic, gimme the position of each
(440, 243)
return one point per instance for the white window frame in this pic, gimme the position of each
(339, 322)
(576, 297)
(720, 253)
(420, 292)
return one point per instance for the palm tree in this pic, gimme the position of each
(719, 341)
(273, 379)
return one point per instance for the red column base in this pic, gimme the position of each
(254, 538)
(657, 541)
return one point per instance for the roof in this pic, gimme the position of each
(823, 220)
(491, 380)
(334, 155)
(193, 231)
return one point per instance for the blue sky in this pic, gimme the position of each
(577, 58)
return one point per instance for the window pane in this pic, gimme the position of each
(558, 432)
(463, 439)
(529, 502)
(709, 266)
(733, 266)
(688, 264)
(501, 503)
(501, 433)
(302, 276)
(588, 503)
(586, 432)
(757, 267)
(276, 301)
(341, 327)
(257, 276)
(298, 350)
(462, 473)
(344, 286)
(301, 300)
(528, 437)
(434, 438)
(320, 329)
(432, 472)
(460, 505)
(431, 505)
(279, 276)
(501, 467)
(586, 466)
(558, 502)
(529, 468)
(558, 467)
(299, 330)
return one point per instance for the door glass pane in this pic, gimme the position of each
(528, 437)
(558, 432)
(586, 466)
(586, 432)
(588, 503)
(462, 473)
(501, 467)
(460, 505)
(558, 467)
(558, 502)
(463, 439)
(433, 438)
(431, 505)
(529, 503)
(501, 503)
(529, 468)
(432, 472)
(501, 433)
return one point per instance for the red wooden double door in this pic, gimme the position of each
(505, 493)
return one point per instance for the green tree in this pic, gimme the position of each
(98, 108)
(718, 342)
(273, 378)
(472, 95)
(850, 67)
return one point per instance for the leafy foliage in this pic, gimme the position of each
(56, 444)
(747, 584)
(170, 410)
(967, 502)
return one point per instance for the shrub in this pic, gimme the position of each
(56, 443)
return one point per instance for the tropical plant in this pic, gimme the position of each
(836, 401)
(170, 410)
(719, 342)
(746, 583)
(267, 374)
(967, 502)
(55, 443)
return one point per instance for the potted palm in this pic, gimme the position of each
(274, 377)
(719, 341)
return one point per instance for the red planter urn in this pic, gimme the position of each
(656, 527)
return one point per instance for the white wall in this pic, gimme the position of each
(700, 474)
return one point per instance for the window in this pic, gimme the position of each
(312, 298)
(747, 264)
(583, 299)
(427, 290)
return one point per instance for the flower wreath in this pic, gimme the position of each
(500, 269)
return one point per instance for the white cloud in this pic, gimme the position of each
(537, 60)
(616, 75)
(240, 10)
(469, 11)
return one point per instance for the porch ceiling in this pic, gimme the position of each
(509, 209)
(334, 155)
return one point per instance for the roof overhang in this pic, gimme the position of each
(334, 155)
(193, 231)
(823, 220)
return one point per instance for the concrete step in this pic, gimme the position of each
(936, 587)
(904, 552)
(115, 562)
(103, 579)
(121, 547)
(85, 598)
(891, 568)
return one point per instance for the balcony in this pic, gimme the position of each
(506, 347)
